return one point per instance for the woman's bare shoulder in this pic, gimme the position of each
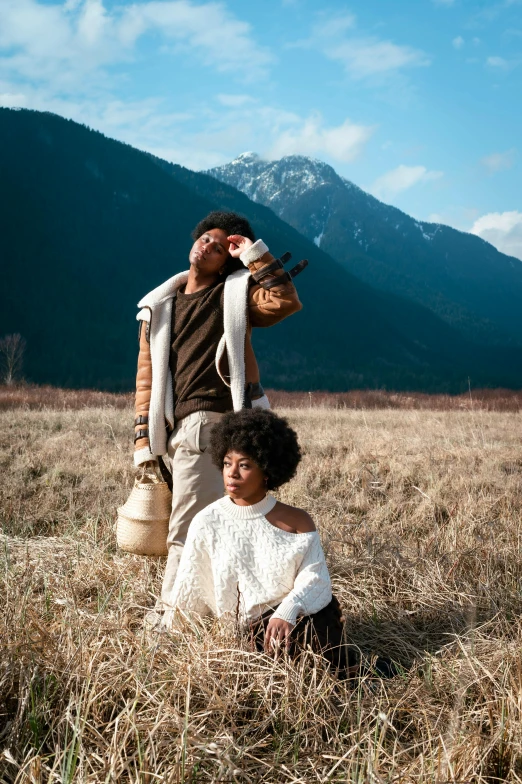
(296, 518)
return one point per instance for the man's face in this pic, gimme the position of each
(210, 252)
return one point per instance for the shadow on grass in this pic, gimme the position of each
(408, 638)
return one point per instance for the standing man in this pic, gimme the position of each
(196, 360)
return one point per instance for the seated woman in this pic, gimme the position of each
(253, 558)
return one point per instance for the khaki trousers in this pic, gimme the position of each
(196, 482)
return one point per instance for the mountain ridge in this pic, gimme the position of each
(90, 224)
(460, 277)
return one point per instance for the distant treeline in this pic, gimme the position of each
(31, 396)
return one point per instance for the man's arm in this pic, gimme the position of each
(143, 387)
(268, 302)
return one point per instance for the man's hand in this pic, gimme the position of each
(238, 244)
(277, 635)
(146, 471)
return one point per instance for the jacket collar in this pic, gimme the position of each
(163, 291)
(169, 287)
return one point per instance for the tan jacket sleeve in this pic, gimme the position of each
(268, 306)
(143, 383)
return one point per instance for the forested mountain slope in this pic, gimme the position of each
(88, 225)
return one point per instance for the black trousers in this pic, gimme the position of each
(322, 632)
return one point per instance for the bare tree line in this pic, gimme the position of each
(12, 350)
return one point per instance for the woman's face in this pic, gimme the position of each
(244, 480)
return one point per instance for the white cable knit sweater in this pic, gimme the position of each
(236, 561)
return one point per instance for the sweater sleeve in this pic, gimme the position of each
(312, 587)
(193, 589)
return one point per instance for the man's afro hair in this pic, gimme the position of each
(229, 222)
(266, 438)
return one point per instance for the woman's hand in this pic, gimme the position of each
(238, 244)
(277, 635)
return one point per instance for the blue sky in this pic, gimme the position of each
(417, 101)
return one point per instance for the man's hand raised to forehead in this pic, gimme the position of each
(238, 244)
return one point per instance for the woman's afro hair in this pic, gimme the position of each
(266, 438)
(229, 222)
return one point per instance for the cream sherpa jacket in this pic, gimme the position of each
(246, 304)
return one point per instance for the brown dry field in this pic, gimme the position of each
(33, 397)
(420, 515)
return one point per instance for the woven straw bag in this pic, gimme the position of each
(143, 521)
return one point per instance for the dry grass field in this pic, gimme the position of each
(420, 515)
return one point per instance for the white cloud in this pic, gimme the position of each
(400, 179)
(458, 42)
(93, 22)
(273, 133)
(197, 26)
(497, 62)
(227, 129)
(500, 161)
(456, 216)
(234, 100)
(189, 156)
(13, 100)
(361, 56)
(503, 230)
(146, 124)
(369, 56)
(437, 217)
(311, 137)
(62, 43)
(334, 26)
(70, 58)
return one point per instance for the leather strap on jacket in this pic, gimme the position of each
(141, 434)
(272, 267)
(298, 268)
(142, 419)
(287, 277)
(267, 269)
(147, 331)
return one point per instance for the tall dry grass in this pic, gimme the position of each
(420, 516)
(34, 397)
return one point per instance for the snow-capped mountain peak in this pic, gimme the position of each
(264, 181)
(386, 247)
(245, 158)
